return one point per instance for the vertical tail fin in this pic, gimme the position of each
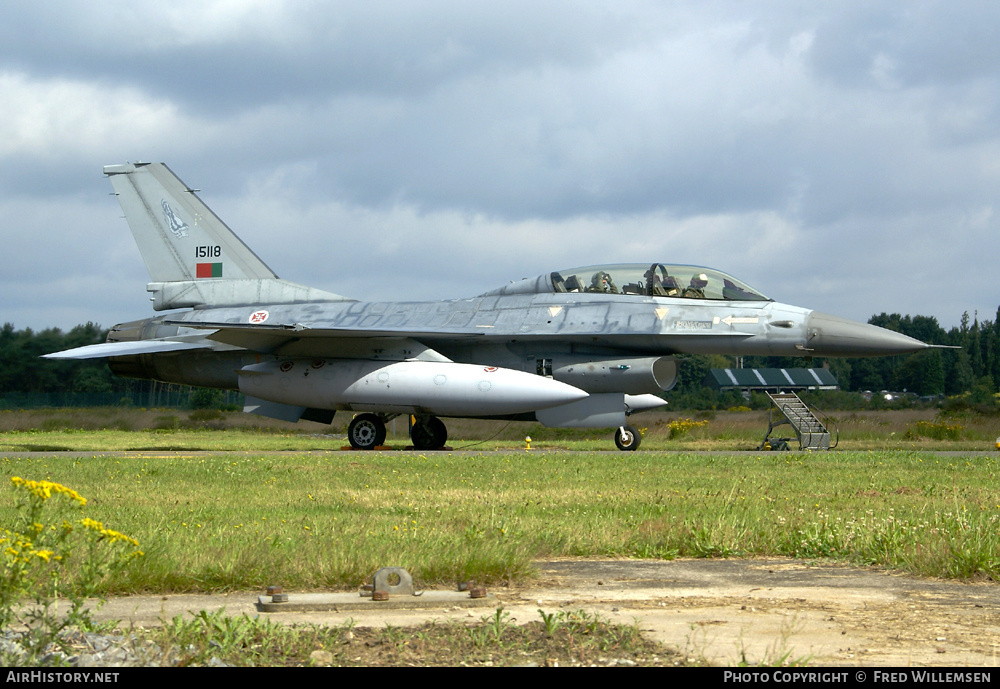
(193, 258)
(179, 237)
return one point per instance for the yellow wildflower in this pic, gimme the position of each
(45, 489)
(110, 534)
(91, 524)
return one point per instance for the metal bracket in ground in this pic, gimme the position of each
(395, 581)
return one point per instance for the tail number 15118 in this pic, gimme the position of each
(207, 251)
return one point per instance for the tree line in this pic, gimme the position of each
(27, 381)
(973, 367)
(21, 369)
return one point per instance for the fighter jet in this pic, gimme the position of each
(577, 347)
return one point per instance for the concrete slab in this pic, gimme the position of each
(345, 602)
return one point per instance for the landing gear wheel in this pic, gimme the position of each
(627, 438)
(366, 432)
(429, 434)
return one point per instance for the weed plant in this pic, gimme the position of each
(938, 430)
(563, 638)
(51, 553)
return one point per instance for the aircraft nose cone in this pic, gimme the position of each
(834, 336)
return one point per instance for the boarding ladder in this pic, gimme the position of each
(812, 433)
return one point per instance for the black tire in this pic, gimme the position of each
(429, 434)
(366, 432)
(628, 441)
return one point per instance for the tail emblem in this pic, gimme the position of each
(176, 225)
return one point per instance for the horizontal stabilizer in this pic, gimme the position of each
(107, 349)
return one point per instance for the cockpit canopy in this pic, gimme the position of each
(656, 280)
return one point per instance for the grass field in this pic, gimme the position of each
(321, 519)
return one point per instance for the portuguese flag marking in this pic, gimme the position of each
(208, 270)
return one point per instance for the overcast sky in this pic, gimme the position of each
(842, 156)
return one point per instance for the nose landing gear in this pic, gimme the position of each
(628, 438)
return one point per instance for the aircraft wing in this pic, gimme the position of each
(297, 339)
(265, 336)
(322, 340)
(257, 338)
(107, 349)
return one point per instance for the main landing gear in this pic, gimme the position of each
(428, 433)
(367, 431)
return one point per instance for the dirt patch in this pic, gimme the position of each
(779, 610)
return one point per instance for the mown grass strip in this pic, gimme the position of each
(125, 429)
